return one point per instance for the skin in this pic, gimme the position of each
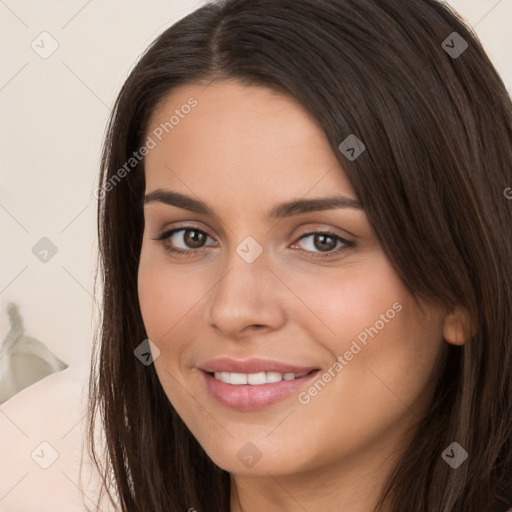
(244, 150)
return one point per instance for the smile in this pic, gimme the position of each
(253, 384)
(254, 379)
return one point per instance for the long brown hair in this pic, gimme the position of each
(436, 121)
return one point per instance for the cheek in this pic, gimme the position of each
(403, 355)
(386, 361)
(167, 294)
(335, 306)
(369, 318)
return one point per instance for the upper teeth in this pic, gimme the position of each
(255, 378)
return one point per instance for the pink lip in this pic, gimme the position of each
(247, 397)
(225, 364)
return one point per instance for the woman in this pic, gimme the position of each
(305, 248)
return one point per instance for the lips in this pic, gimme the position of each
(253, 395)
(253, 366)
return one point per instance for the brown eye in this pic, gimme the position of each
(187, 240)
(194, 238)
(326, 243)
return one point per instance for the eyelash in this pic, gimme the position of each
(162, 237)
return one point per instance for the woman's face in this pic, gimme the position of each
(298, 301)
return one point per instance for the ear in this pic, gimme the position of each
(458, 328)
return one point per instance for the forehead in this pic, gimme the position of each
(250, 139)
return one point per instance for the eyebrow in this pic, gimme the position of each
(294, 207)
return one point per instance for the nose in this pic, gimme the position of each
(247, 297)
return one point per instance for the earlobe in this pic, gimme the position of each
(457, 328)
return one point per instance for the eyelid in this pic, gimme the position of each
(167, 233)
(184, 225)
